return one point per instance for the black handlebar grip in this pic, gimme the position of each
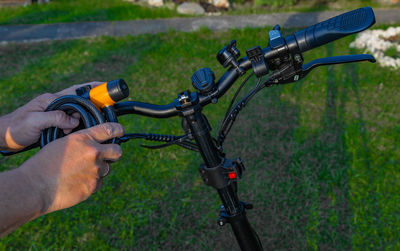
(334, 28)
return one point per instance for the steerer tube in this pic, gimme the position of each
(199, 128)
(244, 233)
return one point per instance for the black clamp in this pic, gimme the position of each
(186, 99)
(224, 216)
(228, 57)
(222, 175)
(83, 91)
(256, 57)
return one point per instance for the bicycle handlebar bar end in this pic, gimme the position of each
(335, 28)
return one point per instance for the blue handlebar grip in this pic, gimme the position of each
(335, 28)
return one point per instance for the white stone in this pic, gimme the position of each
(373, 41)
(156, 3)
(220, 3)
(170, 5)
(190, 9)
(387, 1)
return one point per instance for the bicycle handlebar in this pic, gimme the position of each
(301, 41)
(146, 109)
(173, 109)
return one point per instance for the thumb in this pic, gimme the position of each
(55, 119)
(103, 132)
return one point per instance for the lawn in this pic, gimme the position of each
(60, 11)
(322, 155)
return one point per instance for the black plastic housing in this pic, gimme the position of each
(255, 55)
(204, 80)
(228, 53)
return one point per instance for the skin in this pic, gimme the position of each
(62, 174)
(24, 126)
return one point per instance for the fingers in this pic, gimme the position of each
(39, 103)
(43, 120)
(76, 115)
(110, 152)
(103, 132)
(71, 90)
(45, 99)
(67, 131)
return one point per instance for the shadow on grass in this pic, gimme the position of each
(365, 197)
(334, 207)
(58, 65)
(299, 189)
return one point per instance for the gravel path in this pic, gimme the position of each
(42, 32)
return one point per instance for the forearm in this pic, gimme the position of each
(62, 174)
(20, 200)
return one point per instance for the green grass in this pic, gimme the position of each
(392, 52)
(322, 155)
(60, 11)
(305, 6)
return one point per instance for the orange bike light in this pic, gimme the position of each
(108, 93)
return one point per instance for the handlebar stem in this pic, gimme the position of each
(199, 128)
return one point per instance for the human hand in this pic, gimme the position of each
(24, 126)
(68, 170)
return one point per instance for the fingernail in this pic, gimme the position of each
(73, 121)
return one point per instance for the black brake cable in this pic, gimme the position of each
(170, 139)
(230, 119)
(237, 93)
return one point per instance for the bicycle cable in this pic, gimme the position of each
(170, 139)
(230, 119)
(237, 93)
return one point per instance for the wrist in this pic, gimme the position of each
(7, 141)
(21, 199)
(4, 125)
(35, 185)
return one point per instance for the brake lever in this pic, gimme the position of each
(336, 60)
(290, 73)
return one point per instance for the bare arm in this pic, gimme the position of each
(20, 200)
(64, 173)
